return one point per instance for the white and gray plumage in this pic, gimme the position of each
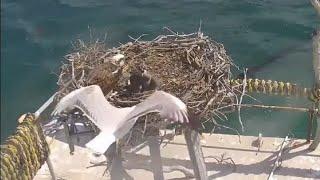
(114, 122)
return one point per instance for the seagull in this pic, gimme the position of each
(115, 122)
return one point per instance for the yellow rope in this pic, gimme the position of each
(23, 153)
(278, 88)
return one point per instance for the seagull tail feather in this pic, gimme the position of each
(101, 142)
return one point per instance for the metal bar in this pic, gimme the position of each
(310, 126)
(195, 152)
(316, 140)
(50, 166)
(37, 115)
(44, 106)
(285, 108)
(49, 101)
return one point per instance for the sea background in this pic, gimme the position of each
(273, 35)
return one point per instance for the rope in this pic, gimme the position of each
(23, 153)
(278, 88)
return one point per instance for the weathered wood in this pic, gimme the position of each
(155, 155)
(195, 152)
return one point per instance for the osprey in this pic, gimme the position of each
(115, 122)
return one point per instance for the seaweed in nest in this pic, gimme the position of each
(193, 67)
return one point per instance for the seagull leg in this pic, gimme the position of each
(68, 135)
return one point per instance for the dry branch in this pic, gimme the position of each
(276, 164)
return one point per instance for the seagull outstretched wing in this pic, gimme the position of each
(115, 122)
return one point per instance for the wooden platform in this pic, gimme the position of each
(249, 163)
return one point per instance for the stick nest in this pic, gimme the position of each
(192, 67)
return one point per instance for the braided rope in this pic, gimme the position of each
(278, 88)
(23, 153)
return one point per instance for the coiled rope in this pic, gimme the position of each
(23, 153)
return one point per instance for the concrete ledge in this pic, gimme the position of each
(297, 163)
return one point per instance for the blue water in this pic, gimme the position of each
(274, 34)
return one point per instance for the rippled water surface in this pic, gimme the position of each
(272, 36)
